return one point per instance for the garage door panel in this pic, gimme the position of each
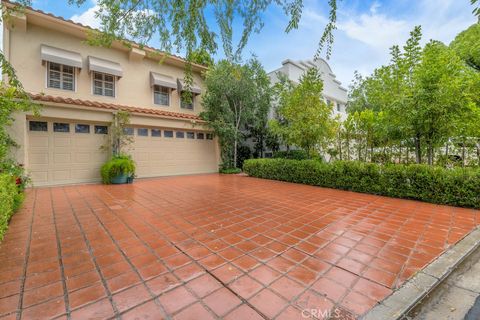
(62, 158)
(61, 175)
(39, 141)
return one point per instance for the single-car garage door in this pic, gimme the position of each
(62, 152)
(161, 152)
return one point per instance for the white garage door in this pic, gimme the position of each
(62, 152)
(160, 152)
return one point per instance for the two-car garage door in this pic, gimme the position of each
(63, 152)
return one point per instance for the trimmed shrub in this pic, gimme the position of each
(457, 187)
(291, 154)
(10, 200)
(230, 170)
(116, 166)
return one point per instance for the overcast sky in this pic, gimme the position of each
(366, 29)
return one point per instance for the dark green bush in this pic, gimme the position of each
(457, 187)
(291, 154)
(230, 170)
(10, 200)
(116, 166)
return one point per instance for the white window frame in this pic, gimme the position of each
(169, 91)
(47, 77)
(103, 84)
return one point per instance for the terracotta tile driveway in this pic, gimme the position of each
(213, 246)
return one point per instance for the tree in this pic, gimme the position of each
(305, 120)
(467, 46)
(236, 98)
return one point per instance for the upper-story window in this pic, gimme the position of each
(161, 95)
(60, 76)
(103, 84)
(187, 103)
(339, 107)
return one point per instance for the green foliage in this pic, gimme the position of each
(422, 98)
(458, 187)
(118, 165)
(303, 118)
(467, 46)
(236, 99)
(230, 170)
(119, 141)
(10, 200)
(188, 25)
(291, 154)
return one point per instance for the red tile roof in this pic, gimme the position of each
(111, 106)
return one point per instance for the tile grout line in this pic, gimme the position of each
(203, 268)
(27, 255)
(285, 274)
(132, 266)
(90, 251)
(60, 259)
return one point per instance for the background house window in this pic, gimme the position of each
(156, 132)
(339, 107)
(184, 104)
(161, 95)
(143, 132)
(82, 128)
(61, 127)
(190, 135)
(101, 129)
(60, 76)
(38, 126)
(128, 131)
(103, 84)
(200, 136)
(168, 134)
(180, 134)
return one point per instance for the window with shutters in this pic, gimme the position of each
(103, 84)
(161, 95)
(60, 76)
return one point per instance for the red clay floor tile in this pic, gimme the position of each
(280, 245)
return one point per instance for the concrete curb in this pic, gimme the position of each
(403, 300)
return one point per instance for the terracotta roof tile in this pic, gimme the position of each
(111, 106)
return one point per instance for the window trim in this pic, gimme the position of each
(61, 123)
(30, 128)
(47, 77)
(169, 95)
(92, 77)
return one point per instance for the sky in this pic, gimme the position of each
(366, 29)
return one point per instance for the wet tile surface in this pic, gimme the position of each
(215, 246)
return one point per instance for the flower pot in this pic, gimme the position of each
(119, 179)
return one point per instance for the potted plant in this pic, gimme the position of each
(120, 168)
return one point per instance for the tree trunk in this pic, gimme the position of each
(418, 150)
(235, 150)
(463, 154)
(429, 153)
(348, 148)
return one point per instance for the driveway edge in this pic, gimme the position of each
(403, 300)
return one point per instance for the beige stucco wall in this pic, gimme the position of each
(132, 89)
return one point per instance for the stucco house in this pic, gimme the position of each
(333, 92)
(81, 87)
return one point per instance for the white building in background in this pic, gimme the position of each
(333, 92)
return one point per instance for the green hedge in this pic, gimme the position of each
(10, 200)
(457, 187)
